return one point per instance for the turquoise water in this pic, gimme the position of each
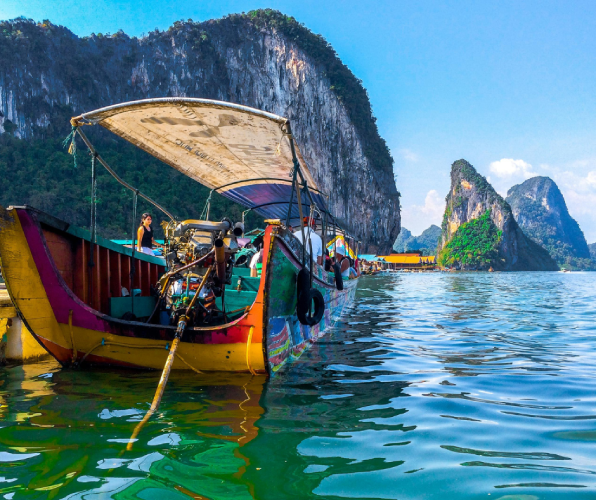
(446, 386)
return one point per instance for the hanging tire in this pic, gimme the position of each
(303, 306)
(302, 282)
(339, 280)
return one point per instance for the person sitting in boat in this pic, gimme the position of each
(257, 258)
(145, 240)
(352, 271)
(328, 261)
(315, 239)
(344, 263)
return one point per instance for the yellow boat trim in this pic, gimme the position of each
(248, 344)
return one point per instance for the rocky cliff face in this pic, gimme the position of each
(427, 241)
(262, 59)
(540, 210)
(479, 231)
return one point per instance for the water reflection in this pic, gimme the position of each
(72, 428)
(434, 386)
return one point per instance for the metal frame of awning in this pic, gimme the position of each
(300, 180)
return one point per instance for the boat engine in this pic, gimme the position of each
(193, 249)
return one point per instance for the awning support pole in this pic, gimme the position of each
(294, 176)
(115, 175)
(92, 229)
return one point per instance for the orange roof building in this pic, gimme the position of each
(409, 259)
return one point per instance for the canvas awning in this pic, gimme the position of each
(240, 152)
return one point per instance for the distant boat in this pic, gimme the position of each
(67, 284)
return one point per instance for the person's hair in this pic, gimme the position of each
(143, 217)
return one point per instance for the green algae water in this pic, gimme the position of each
(446, 386)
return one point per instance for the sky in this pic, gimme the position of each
(509, 86)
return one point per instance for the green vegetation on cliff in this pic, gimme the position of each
(474, 244)
(41, 173)
(48, 74)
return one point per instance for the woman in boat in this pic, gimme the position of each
(145, 240)
(344, 264)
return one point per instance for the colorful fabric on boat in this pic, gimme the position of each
(339, 243)
(243, 153)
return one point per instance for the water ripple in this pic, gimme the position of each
(424, 370)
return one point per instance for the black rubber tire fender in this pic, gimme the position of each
(302, 282)
(313, 295)
(339, 280)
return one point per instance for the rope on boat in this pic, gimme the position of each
(133, 264)
(93, 227)
(72, 149)
(207, 207)
(93, 198)
(128, 346)
(117, 177)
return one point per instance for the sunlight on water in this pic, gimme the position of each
(438, 386)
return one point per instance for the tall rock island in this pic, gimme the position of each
(540, 210)
(480, 232)
(262, 59)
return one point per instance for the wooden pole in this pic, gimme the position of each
(165, 374)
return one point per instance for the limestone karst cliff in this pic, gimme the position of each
(540, 210)
(479, 231)
(262, 59)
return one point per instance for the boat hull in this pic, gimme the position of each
(73, 330)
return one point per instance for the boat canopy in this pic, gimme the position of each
(240, 152)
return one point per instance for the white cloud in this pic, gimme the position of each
(409, 155)
(507, 168)
(417, 218)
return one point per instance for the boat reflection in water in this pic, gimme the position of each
(215, 437)
(67, 431)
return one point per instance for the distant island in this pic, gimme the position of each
(540, 210)
(426, 242)
(479, 231)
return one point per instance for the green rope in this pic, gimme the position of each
(207, 208)
(72, 149)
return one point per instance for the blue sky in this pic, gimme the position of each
(510, 86)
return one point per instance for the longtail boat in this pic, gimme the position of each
(67, 283)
